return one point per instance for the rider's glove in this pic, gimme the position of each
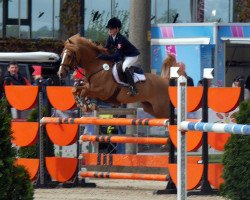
(103, 57)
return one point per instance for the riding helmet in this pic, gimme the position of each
(114, 23)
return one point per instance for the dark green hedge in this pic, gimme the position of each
(14, 180)
(25, 45)
(236, 160)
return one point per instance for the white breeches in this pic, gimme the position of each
(128, 62)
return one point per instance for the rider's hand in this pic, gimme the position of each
(103, 57)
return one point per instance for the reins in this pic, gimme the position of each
(88, 77)
(77, 66)
(96, 72)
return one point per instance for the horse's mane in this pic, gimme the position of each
(78, 41)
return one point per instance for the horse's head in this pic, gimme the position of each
(68, 62)
(69, 57)
(79, 52)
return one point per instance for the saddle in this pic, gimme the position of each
(120, 77)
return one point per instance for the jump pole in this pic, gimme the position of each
(109, 121)
(124, 139)
(240, 129)
(115, 175)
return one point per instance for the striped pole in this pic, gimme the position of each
(115, 175)
(124, 139)
(101, 121)
(216, 127)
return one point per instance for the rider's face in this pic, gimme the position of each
(113, 31)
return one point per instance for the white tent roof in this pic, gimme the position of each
(39, 57)
(236, 40)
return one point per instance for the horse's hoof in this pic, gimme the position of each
(74, 90)
(84, 108)
(95, 107)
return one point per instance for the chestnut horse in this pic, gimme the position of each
(100, 84)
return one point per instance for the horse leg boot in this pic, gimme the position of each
(131, 83)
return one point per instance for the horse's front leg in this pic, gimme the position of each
(90, 105)
(85, 94)
(82, 100)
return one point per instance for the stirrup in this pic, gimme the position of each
(132, 91)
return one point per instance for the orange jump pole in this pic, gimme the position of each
(123, 139)
(115, 175)
(101, 121)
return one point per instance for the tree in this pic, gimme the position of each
(14, 180)
(236, 160)
(96, 30)
(70, 17)
(168, 16)
(242, 10)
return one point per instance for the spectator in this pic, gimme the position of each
(247, 84)
(37, 77)
(37, 74)
(182, 72)
(1, 83)
(200, 83)
(13, 77)
(169, 62)
(236, 83)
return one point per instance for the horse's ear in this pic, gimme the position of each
(70, 41)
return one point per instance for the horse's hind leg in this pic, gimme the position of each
(147, 107)
(161, 109)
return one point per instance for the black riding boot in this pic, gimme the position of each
(131, 83)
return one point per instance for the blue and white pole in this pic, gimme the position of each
(216, 127)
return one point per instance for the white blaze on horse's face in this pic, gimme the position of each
(62, 72)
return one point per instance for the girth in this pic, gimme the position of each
(113, 97)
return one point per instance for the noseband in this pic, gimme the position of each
(72, 62)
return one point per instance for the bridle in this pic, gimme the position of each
(72, 62)
(76, 65)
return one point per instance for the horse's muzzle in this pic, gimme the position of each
(62, 72)
(60, 75)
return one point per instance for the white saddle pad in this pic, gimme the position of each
(137, 77)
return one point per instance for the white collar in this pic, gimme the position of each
(114, 37)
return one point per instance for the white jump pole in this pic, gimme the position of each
(181, 139)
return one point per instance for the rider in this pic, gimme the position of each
(123, 50)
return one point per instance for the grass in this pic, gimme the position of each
(215, 158)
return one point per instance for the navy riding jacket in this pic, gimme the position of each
(123, 48)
